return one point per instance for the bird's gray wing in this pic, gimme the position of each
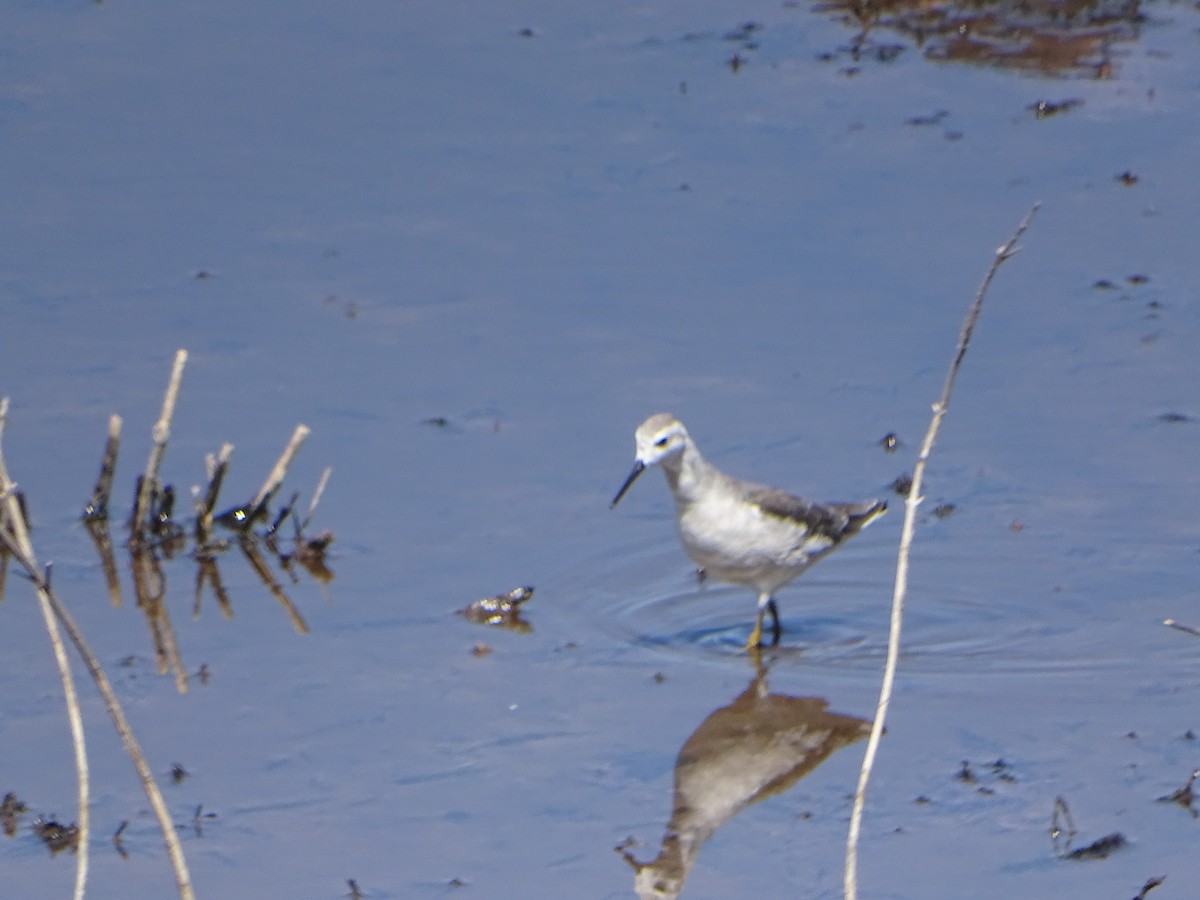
(833, 520)
(818, 519)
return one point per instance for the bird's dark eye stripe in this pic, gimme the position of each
(661, 442)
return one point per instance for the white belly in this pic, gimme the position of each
(735, 541)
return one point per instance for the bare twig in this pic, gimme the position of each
(161, 432)
(850, 883)
(97, 508)
(15, 537)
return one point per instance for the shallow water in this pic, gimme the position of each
(366, 218)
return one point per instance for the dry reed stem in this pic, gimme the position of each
(850, 881)
(276, 476)
(97, 506)
(112, 704)
(15, 537)
(204, 507)
(159, 435)
(312, 506)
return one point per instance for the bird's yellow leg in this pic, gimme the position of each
(755, 639)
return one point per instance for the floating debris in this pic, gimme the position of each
(1174, 418)
(1044, 109)
(922, 121)
(1137, 278)
(10, 810)
(890, 442)
(178, 774)
(502, 611)
(118, 839)
(902, 485)
(56, 836)
(481, 650)
(1184, 796)
(1127, 178)
(743, 32)
(944, 510)
(199, 818)
(1101, 848)
(1151, 884)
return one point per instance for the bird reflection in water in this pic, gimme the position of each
(759, 745)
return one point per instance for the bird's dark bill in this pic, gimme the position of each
(638, 468)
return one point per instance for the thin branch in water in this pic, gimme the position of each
(97, 507)
(146, 776)
(148, 488)
(15, 536)
(1004, 253)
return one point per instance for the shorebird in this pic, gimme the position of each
(737, 531)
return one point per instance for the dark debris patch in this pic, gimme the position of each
(997, 770)
(1063, 832)
(1101, 848)
(924, 121)
(902, 485)
(890, 442)
(1127, 178)
(1044, 109)
(1184, 796)
(944, 510)
(11, 809)
(1151, 884)
(56, 836)
(1174, 418)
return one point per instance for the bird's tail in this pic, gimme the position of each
(860, 515)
